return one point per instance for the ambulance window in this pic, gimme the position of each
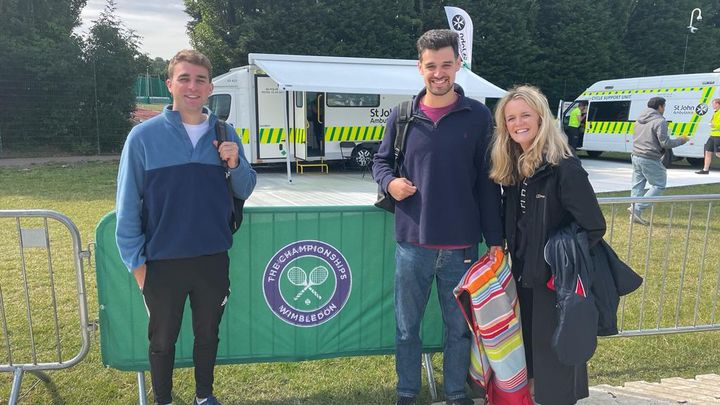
(353, 100)
(298, 99)
(220, 105)
(609, 111)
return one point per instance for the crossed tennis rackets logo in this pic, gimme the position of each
(307, 282)
(298, 277)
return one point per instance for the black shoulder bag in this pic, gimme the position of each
(237, 203)
(385, 200)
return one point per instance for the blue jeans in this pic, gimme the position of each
(415, 270)
(647, 171)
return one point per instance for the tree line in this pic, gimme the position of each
(63, 92)
(562, 46)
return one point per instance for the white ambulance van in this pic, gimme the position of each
(333, 108)
(614, 106)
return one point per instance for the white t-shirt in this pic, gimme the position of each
(196, 131)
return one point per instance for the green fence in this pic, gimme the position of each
(307, 283)
(151, 90)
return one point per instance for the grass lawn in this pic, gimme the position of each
(85, 192)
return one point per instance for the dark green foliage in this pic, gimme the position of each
(560, 45)
(154, 67)
(657, 33)
(111, 52)
(227, 30)
(50, 94)
(42, 81)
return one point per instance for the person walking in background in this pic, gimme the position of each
(173, 215)
(650, 140)
(575, 124)
(446, 205)
(713, 143)
(545, 188)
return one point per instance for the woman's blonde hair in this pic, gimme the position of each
(509, 164)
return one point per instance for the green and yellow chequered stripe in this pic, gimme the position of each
(272, 135)
(277, 135)
(244, 134)
(609, 127)
(625, 127)
(335, 134)
(297, 135)
(704, 99)
(642, 91)
(332, 134)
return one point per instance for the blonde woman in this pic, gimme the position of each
(545, 188)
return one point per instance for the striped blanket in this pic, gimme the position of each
(488, 298)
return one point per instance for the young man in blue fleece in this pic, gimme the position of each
(173, 212)
(446, 205)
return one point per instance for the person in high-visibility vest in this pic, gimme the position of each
(576, 119)
(713, 143)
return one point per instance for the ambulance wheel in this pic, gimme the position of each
(362, 157)
(667, 158)
(594, 153)
(695, 162)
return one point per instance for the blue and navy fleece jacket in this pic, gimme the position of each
(456, 203)
(172, 199)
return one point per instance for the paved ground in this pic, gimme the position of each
(608, 175)
(352, 188)
(702, 390)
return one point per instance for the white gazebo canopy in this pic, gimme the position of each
(359, 75)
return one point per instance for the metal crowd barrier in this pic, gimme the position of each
(676, 253)
(678, 257)
(41, 281)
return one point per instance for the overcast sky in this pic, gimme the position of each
(161, 24)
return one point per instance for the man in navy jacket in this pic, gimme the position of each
(446, 205)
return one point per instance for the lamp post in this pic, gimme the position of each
(691, 30)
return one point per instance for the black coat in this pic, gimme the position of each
(556, 196)
(612, 278)
(568, 254)
(605, 279)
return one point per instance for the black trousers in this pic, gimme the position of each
(555, 383)
(168, 284)
(573, 135)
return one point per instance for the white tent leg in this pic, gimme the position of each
(287, 136)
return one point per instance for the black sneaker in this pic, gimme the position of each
(460, 401)
(703, 171)
(405, 401)
(211, 400)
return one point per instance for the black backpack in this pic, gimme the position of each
(385, 200)
(237, 203)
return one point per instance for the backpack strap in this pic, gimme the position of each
(401, 125)
(220, 137)
(220, 131)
